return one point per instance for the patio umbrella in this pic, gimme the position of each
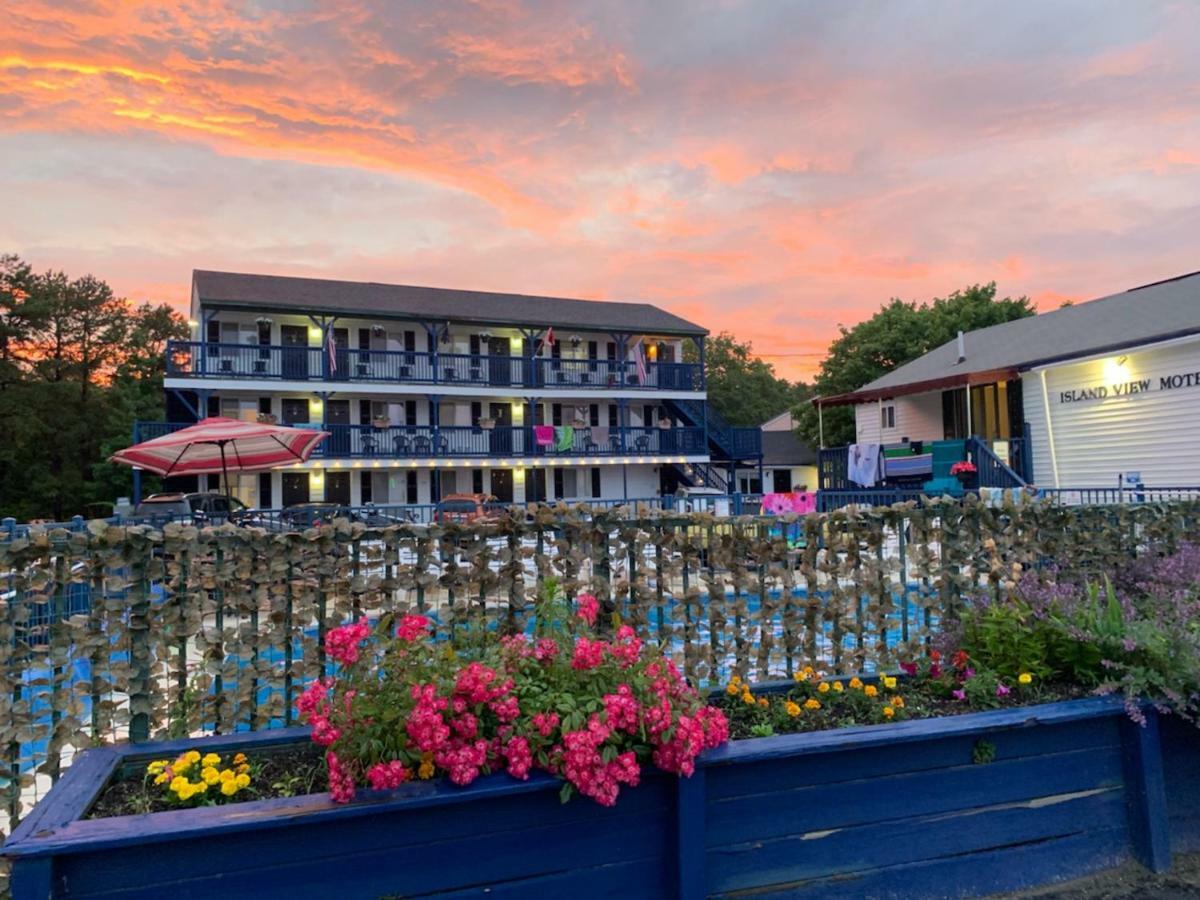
(218, 444)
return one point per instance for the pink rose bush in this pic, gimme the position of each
(589, 710)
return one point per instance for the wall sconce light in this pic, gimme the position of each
(377, 330)
(314, 332)
(485, 336)
(263, 320)
(576, 340)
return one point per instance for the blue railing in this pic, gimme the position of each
(728, 441)
(200, 359)
(991, 471)
(465, 441)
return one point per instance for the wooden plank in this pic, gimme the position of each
(835, 767)
(448, 834)
(818, 855)
(912, 731)
(690, 837)
(818, 808)
(403, 866)
(71, 798)
(972, 874)
(1145, 792)
(1181, 766)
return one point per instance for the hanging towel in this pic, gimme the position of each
(862, 464)
(600, 436)
(564, 438)
(543, 435)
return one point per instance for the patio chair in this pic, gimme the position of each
(422, 446)
(369, 445)
(642, 443)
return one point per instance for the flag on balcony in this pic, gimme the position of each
(548, 338)
(639, 360)
(331, 346)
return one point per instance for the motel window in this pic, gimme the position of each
(612, 416)
(594, 414)
(477, 480)
(264, 405)
(596, 487)
(411, 487)
(565, 484)
(887, 416)
(556, 414)
(364, 487)
(782, 480)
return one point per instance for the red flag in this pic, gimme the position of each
(548, 339)
(331, 345)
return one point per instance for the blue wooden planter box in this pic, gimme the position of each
(892, 810)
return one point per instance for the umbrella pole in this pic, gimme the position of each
(225, 471)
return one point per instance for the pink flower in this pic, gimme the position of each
(960, 694)
(412, 627)
(387, 776)
(341, 779)
(588, 608)
(1002, 690)
(519, 757)
(621, 710)
(588, 654)
(546, 650)
(909, 668)
(627, 648)
(545, 723)
(343, 643)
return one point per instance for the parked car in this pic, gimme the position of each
(466, 508)
(205, 508)
(312, 514)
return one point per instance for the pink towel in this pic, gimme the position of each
(544, 435)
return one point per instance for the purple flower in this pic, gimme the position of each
(909, 668)
(1002, 690)
(960, 694)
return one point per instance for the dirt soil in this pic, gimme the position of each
(1129, 882)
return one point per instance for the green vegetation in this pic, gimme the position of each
(899, 333)
(77, 366)
(741, 387)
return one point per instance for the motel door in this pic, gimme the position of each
(295, 351)
(295, 488)
(337, 418)
(499, 361)
(337, 487)
(502, 485)
(500, 440)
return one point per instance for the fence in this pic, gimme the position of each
(125, 631)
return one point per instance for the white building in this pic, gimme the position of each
(427, 391)
(1078, 397)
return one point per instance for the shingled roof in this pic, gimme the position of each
(1141, 315)
(368, 298)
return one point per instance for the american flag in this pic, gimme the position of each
(639, 359)
(331, 346)
(548, 338)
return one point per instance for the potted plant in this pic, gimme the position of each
(487, 423)
(267, 418)
(381, 422)
(964, 471)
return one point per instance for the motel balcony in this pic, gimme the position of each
(254, 362)
(411, 442)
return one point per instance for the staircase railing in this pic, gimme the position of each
(993, 472)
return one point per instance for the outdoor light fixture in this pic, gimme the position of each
(377, 330)
(485, 336)
(263, 320)
(314, 332)
(576, 340)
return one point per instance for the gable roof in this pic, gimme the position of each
(1141, 315)
(368, 298)
(782, 422)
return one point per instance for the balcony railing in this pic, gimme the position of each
(501, 442)
(199, 359)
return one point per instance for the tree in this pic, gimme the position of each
(742, 388)
(899, 333)
(77, 366)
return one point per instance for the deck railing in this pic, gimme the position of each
(474, 442)
(201, 359)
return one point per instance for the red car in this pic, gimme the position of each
(466, 508)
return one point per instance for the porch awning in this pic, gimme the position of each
(916, 387)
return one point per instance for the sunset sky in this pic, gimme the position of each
(770, 168)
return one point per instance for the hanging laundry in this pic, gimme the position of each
(543, 435)
(600, 437)
(863, 464)
(564, 438)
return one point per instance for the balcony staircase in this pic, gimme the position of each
(728, 445)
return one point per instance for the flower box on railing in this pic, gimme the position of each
(899, 809)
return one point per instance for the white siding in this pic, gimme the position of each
(1156, 433)
(918, 418)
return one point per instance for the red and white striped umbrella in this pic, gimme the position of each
(219, 444)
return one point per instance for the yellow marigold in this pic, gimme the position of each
(897, 702)
(425, 770)
(870, 690)
(228, 775)
(239, 759)
(210, 759)
(157, 766)
(763, 702)
(838, 687)
(242, 781)
(229, 788)
(800, 676)
(856, 684)
(748, 698)
(888, 712)
(210, 775)
(823, 687)
(177, 783)
(162, 778)
(735, 679)
(192, 756)
(732, 689)
(793, 709)
(243, 768)
(889, 682)
(812, 703)
(1025, 678)
(807, 670)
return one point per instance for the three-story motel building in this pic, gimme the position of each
(429, 391)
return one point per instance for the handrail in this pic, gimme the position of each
(993, 472)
